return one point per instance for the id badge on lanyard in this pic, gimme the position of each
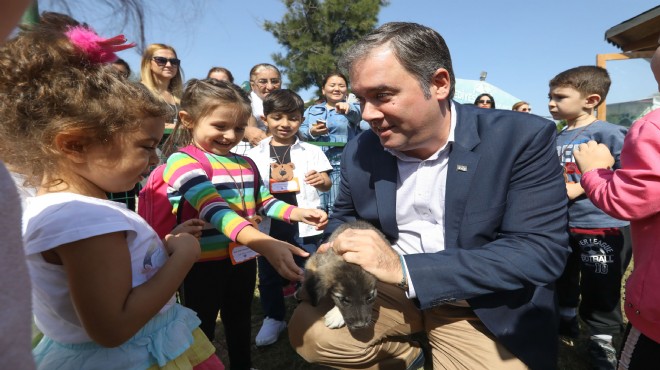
(290, 186)
(240, 253)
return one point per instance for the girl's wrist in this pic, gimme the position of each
(593, 170)
(294, 216)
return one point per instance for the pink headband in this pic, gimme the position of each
(97, 49)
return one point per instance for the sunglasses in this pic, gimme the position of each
(264, 81)
(161, 61)
(484, 101)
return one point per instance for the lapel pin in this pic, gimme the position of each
(461, 167)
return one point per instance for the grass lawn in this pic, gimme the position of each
(280, 356)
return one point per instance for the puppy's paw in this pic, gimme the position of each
(334, 319)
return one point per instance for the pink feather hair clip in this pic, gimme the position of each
(97, 49)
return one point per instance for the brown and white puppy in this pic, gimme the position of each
(352, 289)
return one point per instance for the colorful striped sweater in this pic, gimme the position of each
(218, 201)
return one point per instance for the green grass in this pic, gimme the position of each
(280, 356)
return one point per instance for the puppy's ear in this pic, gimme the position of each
(315, 288)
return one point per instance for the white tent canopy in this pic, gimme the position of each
(468, 90)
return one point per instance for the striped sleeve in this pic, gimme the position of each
(273, 207)
(185, 176)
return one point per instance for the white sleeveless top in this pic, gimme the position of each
(54, 219)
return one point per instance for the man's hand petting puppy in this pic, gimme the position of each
(367, 249)
(351, 288)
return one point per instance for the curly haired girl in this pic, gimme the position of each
(103, 282)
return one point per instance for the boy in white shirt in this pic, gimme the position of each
(295, 172)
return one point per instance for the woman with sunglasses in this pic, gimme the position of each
(522, 106)
(161, 74)
(485, 101)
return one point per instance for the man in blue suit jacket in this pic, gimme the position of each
(473, 203)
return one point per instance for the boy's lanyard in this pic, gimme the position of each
(577, 134)
(283, 186)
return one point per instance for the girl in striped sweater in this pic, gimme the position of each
(212, 120)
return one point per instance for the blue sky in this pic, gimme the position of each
(522, 44)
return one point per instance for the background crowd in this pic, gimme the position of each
(233, 157)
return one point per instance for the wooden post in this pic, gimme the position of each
(601, 61)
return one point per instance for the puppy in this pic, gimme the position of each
(352, 289)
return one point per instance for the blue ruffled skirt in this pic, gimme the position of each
(165, 337)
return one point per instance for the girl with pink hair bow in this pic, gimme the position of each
(103, 283)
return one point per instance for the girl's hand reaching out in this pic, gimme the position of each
(592, 155)
(310, 216)
(280, 255)
(193, 227)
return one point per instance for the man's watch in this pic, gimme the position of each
(403, 284)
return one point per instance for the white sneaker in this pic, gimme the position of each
(269, 332)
